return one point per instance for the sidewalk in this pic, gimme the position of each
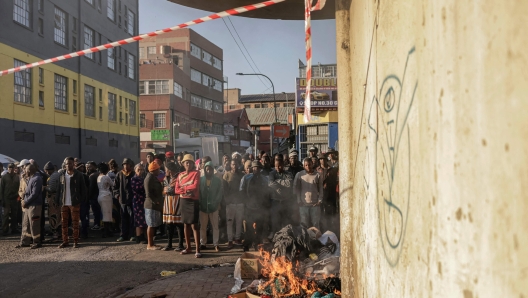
(202, 283)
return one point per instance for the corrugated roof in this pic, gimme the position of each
(266, 97)
(266, 116)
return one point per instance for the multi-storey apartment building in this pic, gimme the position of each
(181, 89)
(85, 107)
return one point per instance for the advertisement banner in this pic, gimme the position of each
(229, 130)
(324, 93)
(160, 135)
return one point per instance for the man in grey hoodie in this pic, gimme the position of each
(32, 205)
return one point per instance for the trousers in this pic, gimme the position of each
(74, 211)
(204, 219)
(234, 213)
(127, 220)
(281, 214)
(310, 216)
(256, 221)
(10, 216)
(31, 225)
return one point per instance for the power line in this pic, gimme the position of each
(243, 53)
(241, 41)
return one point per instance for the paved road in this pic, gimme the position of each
(98, 269)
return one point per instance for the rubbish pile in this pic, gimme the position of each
(301, 263)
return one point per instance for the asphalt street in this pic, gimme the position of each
(99, 268)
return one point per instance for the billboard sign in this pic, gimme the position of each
(160, 135)
(229, 130)
(323, 93)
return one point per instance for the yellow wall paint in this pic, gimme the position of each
(324, 117)
(48, 115)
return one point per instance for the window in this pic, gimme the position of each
(22, 84)
(41, 75)
(132, 66)
(264, 105)
(217, 85)
(100, 95)
(218, 129)
(206, 80)
(120, 102)
(75, 107)
(22, 136)
(126, 118)
(110, 11)
(196, 101)
(60, 34)
(74, 86)
(141, 53)
(74, 24)
(196, 51)
(41, 26)
(40, 5)
(111, 58)
(41, 98)
(88, 40)
(89, 102)
(99, 5)
(132, 111)
(89, 1)
(74, 44)
(22, 12)
(154, 87)
(257, 106)
(247, 106)
(121, 117)
(142, 120)
(100, 113)
(207, 58)
(126, 103)
(196, 76)
(61, 93)
(231, 107)
(217, 63)
(151, 50)
(178, 90)
(112, 108)
(217, 107)
(208, 104)
(131, 17)
(159, 120)
(142, 87)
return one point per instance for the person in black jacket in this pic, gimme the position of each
(85, 206)
(123, 192)
(93, 193)
(72, 192)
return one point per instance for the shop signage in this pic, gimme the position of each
(323, 93)
(160, 135)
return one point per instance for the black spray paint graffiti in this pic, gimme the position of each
(387, 121)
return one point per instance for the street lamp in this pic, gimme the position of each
(274, 104)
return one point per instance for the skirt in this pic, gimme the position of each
(172, 210)
(153, 218)
(105, 201)
(190, 211)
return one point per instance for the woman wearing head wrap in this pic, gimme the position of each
(138, 202)
(188, 187)
(104, 183)
(172, 208)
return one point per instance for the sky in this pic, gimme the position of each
(275, 46)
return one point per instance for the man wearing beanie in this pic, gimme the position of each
(123, 192)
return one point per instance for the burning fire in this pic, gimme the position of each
(283, 279)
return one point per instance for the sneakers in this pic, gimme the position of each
(120, 239)
(96, 228)
(133, 239)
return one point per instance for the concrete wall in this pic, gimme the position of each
(434, 192)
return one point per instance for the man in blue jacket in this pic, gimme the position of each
(32, 208)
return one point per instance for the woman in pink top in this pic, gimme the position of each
(188, 187)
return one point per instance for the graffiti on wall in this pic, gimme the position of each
(389, 129)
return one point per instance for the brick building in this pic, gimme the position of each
(181, 90)
(238, 128)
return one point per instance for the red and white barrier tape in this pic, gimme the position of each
(114, 44)
(308, 8)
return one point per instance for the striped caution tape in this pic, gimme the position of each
(114, 44)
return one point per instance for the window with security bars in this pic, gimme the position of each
(22, 12)
(131, 21)
(88, 40)
(112, 107)
(111, 58)
(178, 90)
(60, 31)
(89, 101)
(110, 11)
(91, 142)
(131, 66)
(24, 136)
(132, 110)
(196, 76)
(62, 139)
(61, 93)
(313, 135)
(159, 120)
(22, 84)
(196, 51)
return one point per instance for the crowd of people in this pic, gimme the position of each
(244, 201)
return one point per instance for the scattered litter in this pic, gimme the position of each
(227, 265)
(167, 273)
(238, 278)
